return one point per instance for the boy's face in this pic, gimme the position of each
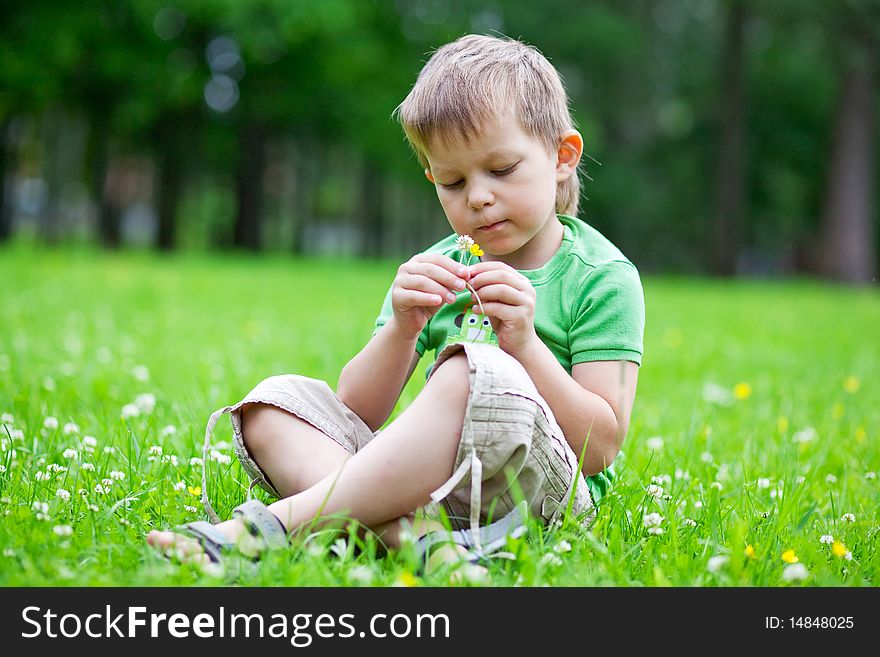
(501, 190)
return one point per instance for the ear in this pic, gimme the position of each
(569, 154)
(429, 176)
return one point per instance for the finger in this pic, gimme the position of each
(501, 311)
(435, 272)
(424, 284)
(445, 262)
(504, 293)
(415, 299)
(499, 275)
(490, 265)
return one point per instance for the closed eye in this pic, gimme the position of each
(505, 172)
(453, 185)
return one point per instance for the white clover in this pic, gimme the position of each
(220, 457)
(54, 467)
(146, 402)
(82, 492)
(830, 478)
(180, 485)
(795, 572)
(848, 517)
(50, 423)
(70, 453)
(141, 373)
(361, 574)
(716, 485)
(806, 435)
(191, 509)
(168, 430)
(706, 457)
(195, 460)
(170, 458)
(848, 555)
(827, 539)
(16, 434)
(799, 480)
(42, 476)
(89, 441)
(682, 474)
(870, 474)
(698, 504)
(62, 494)
(109, 449)
(551, 559)
(130, 410)
(155, 450)
(655, 531)
(716, 563)
(107, 482)
(88, 467)
(464, 242)
(654, 490)
(94, 508)
(101, 490)
(763, 483)
(117, 475)
(562, 547)
(62, 530)
(655, 443)
(689, 522)
(48, 383)
(7, 418)
(125, 521)
(40, 507)
(70, 428)
(652, 519)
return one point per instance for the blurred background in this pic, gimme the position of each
(725, 137)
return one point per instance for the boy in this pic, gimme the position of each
(497, 419)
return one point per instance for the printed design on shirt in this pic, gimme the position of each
(475, 327)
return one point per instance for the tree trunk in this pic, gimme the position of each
(251, 165)
(7, 165)
(169, 162)
(731, 149)
(847, 230)
(371, 211)
(103, 187)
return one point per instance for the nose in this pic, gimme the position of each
(479, 196)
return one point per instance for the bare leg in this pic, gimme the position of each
(390, 477)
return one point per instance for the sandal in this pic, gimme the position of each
(264, 532)
(492, 538)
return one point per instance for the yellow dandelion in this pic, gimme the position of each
(476, 250)
(750, 551)
(742, 391)
(195, 491)
(406, 579)
(839, 549)
(851, 384)
(789, 557)
(781, 424)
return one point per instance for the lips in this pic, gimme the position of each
(494, 226)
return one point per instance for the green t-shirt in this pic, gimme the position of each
(589, 306)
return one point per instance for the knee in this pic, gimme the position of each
(452, 376)
(259, 425)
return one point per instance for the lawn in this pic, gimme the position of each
(751, 460)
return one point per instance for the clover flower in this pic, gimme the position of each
(655, 444)
(690, 522)
(848, 517)
(88, 467)
(62, 530)
(50, 423)
(70, 453)
(180, 485)
(654, 490)
(716, 563)
(795, 572)
(62, 494)
(71, 427)
(466, 244)
(827, 539)
(652, 520)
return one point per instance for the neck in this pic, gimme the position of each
(538, 251)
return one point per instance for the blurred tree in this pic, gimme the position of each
(848, 217)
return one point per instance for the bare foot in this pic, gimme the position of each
(187, 549)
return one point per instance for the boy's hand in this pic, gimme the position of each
(423, 284)
(509, 300)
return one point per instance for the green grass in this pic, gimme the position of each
(792, 457)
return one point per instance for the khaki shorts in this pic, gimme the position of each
(511, 447)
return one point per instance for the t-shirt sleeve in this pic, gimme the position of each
(386, 313)
(609, 321)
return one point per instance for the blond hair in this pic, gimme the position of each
(471, 82)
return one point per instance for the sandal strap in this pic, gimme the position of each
(213, 542)
(263, 523)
